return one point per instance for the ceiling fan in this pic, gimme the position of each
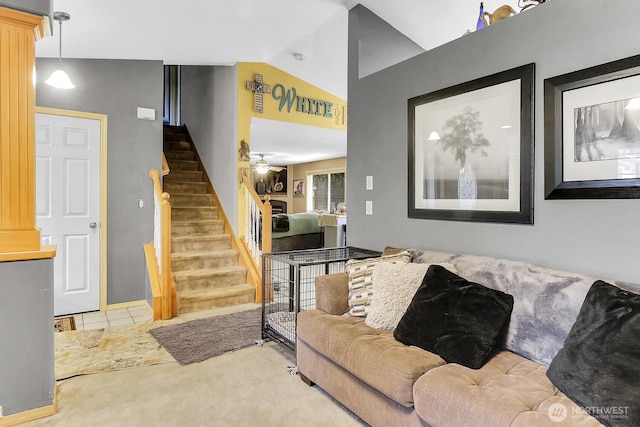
(262, 167)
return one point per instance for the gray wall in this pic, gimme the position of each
(116, 88)
(381, 45)
(597, 237)
(209, 108)
(38, 7)
(26, 335)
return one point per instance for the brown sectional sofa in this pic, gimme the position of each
(387, 383)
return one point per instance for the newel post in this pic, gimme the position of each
(165, 242)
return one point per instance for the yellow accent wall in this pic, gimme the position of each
(273, 76)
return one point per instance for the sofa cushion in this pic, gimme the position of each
(546, 301)
(599, 364)
(508, 390)
(394, 285)
(360, 273)
(332, 293)
(369, 354)
(455, 318)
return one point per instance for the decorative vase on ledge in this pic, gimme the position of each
(467, 187)
(480, 23)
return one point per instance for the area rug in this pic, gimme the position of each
(201, 339)
(104, 350)
(64, 324)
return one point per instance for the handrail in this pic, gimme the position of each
(165, 166)
(259, 244)
(257, 236)
(162, 245)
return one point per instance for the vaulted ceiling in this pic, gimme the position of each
(223, 32)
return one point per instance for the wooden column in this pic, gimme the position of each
(18, 34)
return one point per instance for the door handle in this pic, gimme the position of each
(93, 225)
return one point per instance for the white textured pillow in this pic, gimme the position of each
(394, 286)
(360, 273)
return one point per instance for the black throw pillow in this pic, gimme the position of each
(280, 223)
(598, 366)
(454, 318)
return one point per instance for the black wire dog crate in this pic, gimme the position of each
(288, 286)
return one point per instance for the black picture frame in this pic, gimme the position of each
(581, 92)
(272, 182)
(501, 106)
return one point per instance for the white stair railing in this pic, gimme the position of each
(257, 233)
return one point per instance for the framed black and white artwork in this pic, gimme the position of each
(592, 134)
(471, 150)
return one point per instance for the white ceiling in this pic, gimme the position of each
(223, 32)
(288, 143)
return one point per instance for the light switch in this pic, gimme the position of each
(368, 207)
(140, 203)
(369, 185)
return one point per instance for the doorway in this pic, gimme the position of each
(71, 153)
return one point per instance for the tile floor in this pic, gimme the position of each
(142, 314)
(118, 317)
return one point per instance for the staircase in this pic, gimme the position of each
(205, 267)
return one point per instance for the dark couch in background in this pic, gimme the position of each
(291, 232)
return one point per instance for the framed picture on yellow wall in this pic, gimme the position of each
(298, 187)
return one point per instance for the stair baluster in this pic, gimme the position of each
(257, 234)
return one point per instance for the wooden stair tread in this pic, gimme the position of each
(197, 254)
(179, 154)
(195, 207)
(197, 221)
(207, 272)
(186, 165)
(215, 292)
(201, 237)
(183, 176)
(190, 194)
(186, 182)
(188, 213)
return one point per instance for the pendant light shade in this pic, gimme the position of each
(59, 78)
(262, 166)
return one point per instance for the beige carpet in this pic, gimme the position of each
(249, 387)
(136, 383)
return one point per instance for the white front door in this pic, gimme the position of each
(68, 207)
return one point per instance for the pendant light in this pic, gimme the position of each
(59, 78)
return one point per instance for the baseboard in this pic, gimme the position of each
(31, 414)
(129, 304)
